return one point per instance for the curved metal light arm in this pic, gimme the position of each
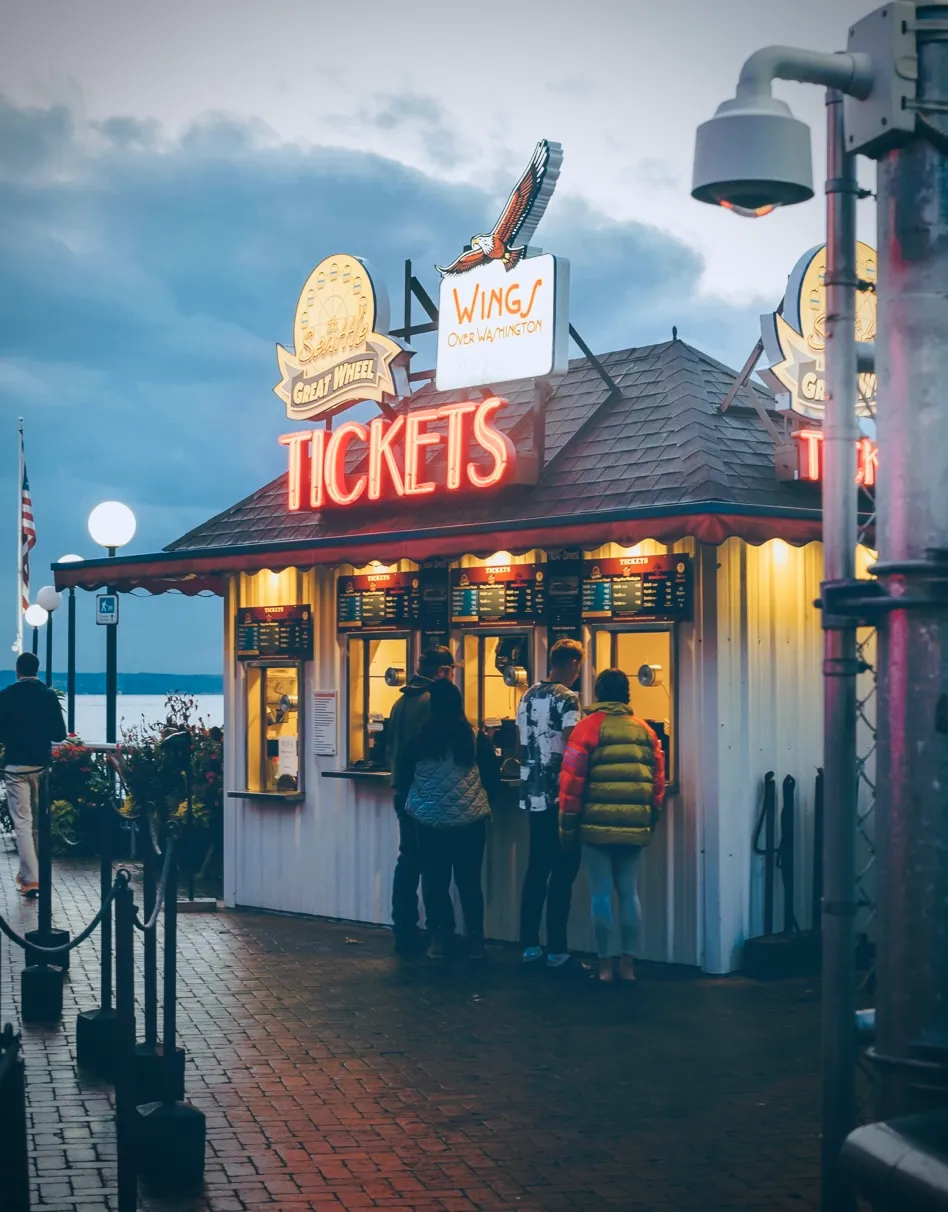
(852, 74)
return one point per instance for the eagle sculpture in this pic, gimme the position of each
(520, 216)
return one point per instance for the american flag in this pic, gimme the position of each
(27, 538)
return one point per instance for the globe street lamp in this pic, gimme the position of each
(50, 600)
(111, 525)
(71, 650)
(35, 616)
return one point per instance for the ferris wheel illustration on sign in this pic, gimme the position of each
(336, 311)
(519, 219)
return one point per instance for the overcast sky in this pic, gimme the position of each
(169, 174)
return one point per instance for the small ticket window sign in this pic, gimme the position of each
(107, 609)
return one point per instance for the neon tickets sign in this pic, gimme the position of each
(451, 449)
(810, 460)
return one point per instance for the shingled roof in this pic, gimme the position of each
(660, 441)
(652, 457)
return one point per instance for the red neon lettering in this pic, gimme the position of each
(455, 414)
(317, 463)
(811, 441)
(295, 442)
(415, 442)
(497, 445)
(380, 448)
(336, 464)
(867, 462)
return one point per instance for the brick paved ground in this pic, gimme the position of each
(333, 1077)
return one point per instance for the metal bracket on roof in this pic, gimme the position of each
(742, 379)
(415, 290)
(594, 361)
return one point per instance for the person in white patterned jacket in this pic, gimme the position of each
(548, 713)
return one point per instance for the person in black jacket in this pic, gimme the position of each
(31, 721)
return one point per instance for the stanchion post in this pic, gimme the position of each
(125, 1122)
(14, 1156)
(171, 1134)
(41, 986)
(96, 1029)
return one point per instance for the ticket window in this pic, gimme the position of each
(647, 656)
(274, 728)
(377, 670)
(497, 671)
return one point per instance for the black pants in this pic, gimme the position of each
(457, 851)
(551, 872)
(406, 878)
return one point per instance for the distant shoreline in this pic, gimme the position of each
(135, 683)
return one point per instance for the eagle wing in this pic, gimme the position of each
(530, 195)
(467, 260)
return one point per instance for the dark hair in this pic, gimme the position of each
(612, 686)
(564, 652)
(446, 729)
(27, 665)
(434, 658)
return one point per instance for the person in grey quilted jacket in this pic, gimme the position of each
(454, 771)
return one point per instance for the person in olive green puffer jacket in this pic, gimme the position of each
(612, 787)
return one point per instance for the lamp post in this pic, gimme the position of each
(35, 616)
(50, 601)
(71, 650)
(111, 525)
(751, 157)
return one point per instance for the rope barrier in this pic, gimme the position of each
(7, 929)
(144, 927)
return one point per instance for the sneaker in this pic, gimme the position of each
(476, 949)
(556, 959)
(27, 888)
(436, 951)
(532, 954)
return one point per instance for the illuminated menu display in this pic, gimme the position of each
(378, 601)
(509, 593)
(637, 587)
(283, 632)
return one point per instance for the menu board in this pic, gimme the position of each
(275, 631)
(378, 601)
(564, 600)
(637, 587)
(507, 593)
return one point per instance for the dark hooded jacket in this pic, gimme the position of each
(31, 721)
(405, 723)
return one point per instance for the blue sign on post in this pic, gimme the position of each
(106, 608)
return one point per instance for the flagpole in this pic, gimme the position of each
(19, 542)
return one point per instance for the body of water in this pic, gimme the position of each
(133, 708)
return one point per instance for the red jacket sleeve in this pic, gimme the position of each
(583, 740)
(658, 787)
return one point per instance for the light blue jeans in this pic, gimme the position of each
(614, 868)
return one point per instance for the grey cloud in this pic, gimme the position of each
(143, 289)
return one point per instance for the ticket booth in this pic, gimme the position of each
(385, 617)
(632, 606)
(496, 607)
(272, 645)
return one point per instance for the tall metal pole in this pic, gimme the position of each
(19, 541)
(840, 535)
(111, 674)
(49, 650)
(912, 359)
(71, 665)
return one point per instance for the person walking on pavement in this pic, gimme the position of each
(454, 773)
(405, 723)
(547, 714)
(31, 721)
(612, 788)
